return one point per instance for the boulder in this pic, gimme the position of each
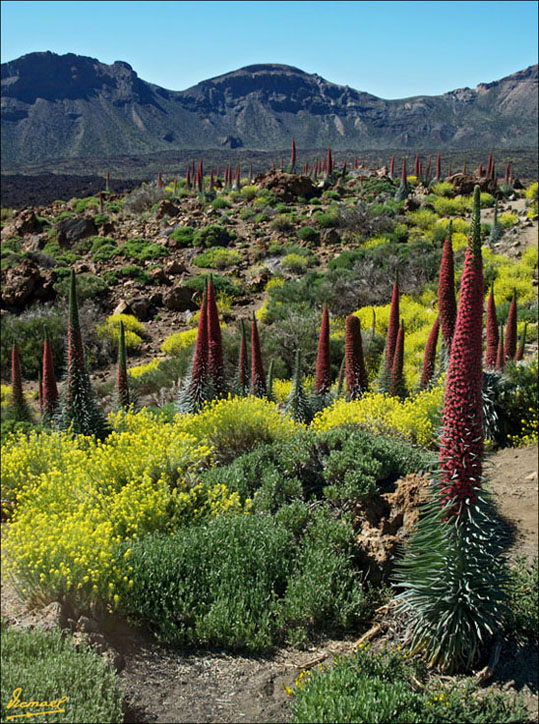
(24, 222)
(464, 184)
(68, 231)
(25, 283)
(142, 308)
(166, 208)
(287, 186)
(179, 299)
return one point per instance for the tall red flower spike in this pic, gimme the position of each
(199, 371)
(489, 165)
(258, 379)
(356, 374)
(511, 329)
(330, 162)
(215, 344)
(396, 387)
(429, 360)
(492, 332)
(48, 382)
(480, 170)
(293, 157)
(520, 351)
(322, 382)
(500, 360)
(508, 172)
(122, 384)
(243, 365)
(403, 179)
(447, 303)
(392, 166)
(438, 167)
(461, 447)
(392, 330)
(20, 407)
(416, 165)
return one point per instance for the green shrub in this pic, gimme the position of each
(133, 329)
(382, 687)
(28, 330)
(183, 235)
(88, 286)
(142, 250)
(219, 257)
(132, 271)
(213, 235)
(81, 205)
(109, 275)
(221, 284)
(61, 256)
(422, 218)
(48, 667)
(103, 248)
(295, 263)
(283, 222)
(444, 188)
(249, 192)
(243, 582)
(220, 203)
(508, 219)
(307, 233)
(11, 251)
(327, 220)
(522, 594)
(100, 218)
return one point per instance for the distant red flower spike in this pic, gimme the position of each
(215, 344)
(492, 333)
(258, 379)
(520, 351)
(511, 329)
(322, 381)
(500, 361)
(48, 382)
(356, 374)
(429, 360)
(392, 329)
(447, 303)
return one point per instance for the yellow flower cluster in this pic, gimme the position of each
(236, 425)
(77, 498)
(511, 274)
(5, 399)
(138, 371)
(133, 328)
(174, 343)
(416, 418)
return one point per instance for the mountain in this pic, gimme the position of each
(70, 106)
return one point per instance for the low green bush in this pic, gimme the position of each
(218, 257)
(27, 330)
(382, 687)
(81, 205)
(283, 222)
(220, 203)
(12, 251)
(213, 235)
(183, 235)
(522, 595)
(244, 582)
(295, 263)
(327, 220)
(220, 283)
(103, 248)
(88, 286)
(132, 271)
(307, 233)
(47, 667)
(142, 250)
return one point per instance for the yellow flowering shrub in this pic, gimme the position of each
(77, 499)
(174, 343)
(133, 328)
(139, 371)
(5, 399)
(416, 418)
(508, 219)
(511, 274)
(532, 195)
(235, 425)
(281, 389)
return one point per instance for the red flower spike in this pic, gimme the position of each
(293, 157)
(215, 344)
(392, 329)
(258, 379)
(403, 179)
(416, 165)
(243, 366)
(438, 167)
(356, 374)
(322, 381)
(17, 397)
(200, 359)
(396, 387)
(48, 382)
(429, 360)
(511, 329)
(392, 166)
(492, 332)
(500, 361)
(489, 165)
(461, 447)
(122, 384)
(447, 303)
(520, 351)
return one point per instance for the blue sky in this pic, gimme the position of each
(390, 49)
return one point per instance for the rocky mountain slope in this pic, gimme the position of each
(69, 106)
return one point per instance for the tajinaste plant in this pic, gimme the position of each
(397, 386)
(429, 359)
(447, 302)
(122, 383)
(48, 384)
(297, 404)
(216, 371)
(356, 375)
(520, 351)
(511, 334)
(21, 410)
(492, 334)
(196, 388)
(384, 379)
(258, 380)
(451, 578)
